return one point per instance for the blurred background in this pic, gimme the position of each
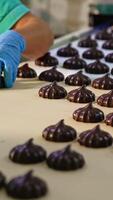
(64, 16)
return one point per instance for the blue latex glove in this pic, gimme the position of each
(12, 44)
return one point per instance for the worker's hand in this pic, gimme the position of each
(12, 44)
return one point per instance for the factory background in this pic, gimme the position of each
(64, 16)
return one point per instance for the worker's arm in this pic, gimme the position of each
(20, 33)
(37, 34)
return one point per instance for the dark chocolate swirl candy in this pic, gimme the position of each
(103, 35)
(47, 60)
(104, 83)
(106, 100)
(110, 29)
(67, 51)
(53, 91)
(27, 153)
(95, 138)
(109, 119)
(108, 45)
(97, 67)
(109, 58)
(112, 71)
(26, 72)
(26, 187)
(2, 180)
(88, 114)
(51, 75)
(59, 132)
(81, 95)
(93, 54)
(65, 160)
(74, 63)
(88, 42)
(77, 79)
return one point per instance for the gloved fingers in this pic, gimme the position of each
(8, 76)
(1, 67)
(14, 73)
(9, 68)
